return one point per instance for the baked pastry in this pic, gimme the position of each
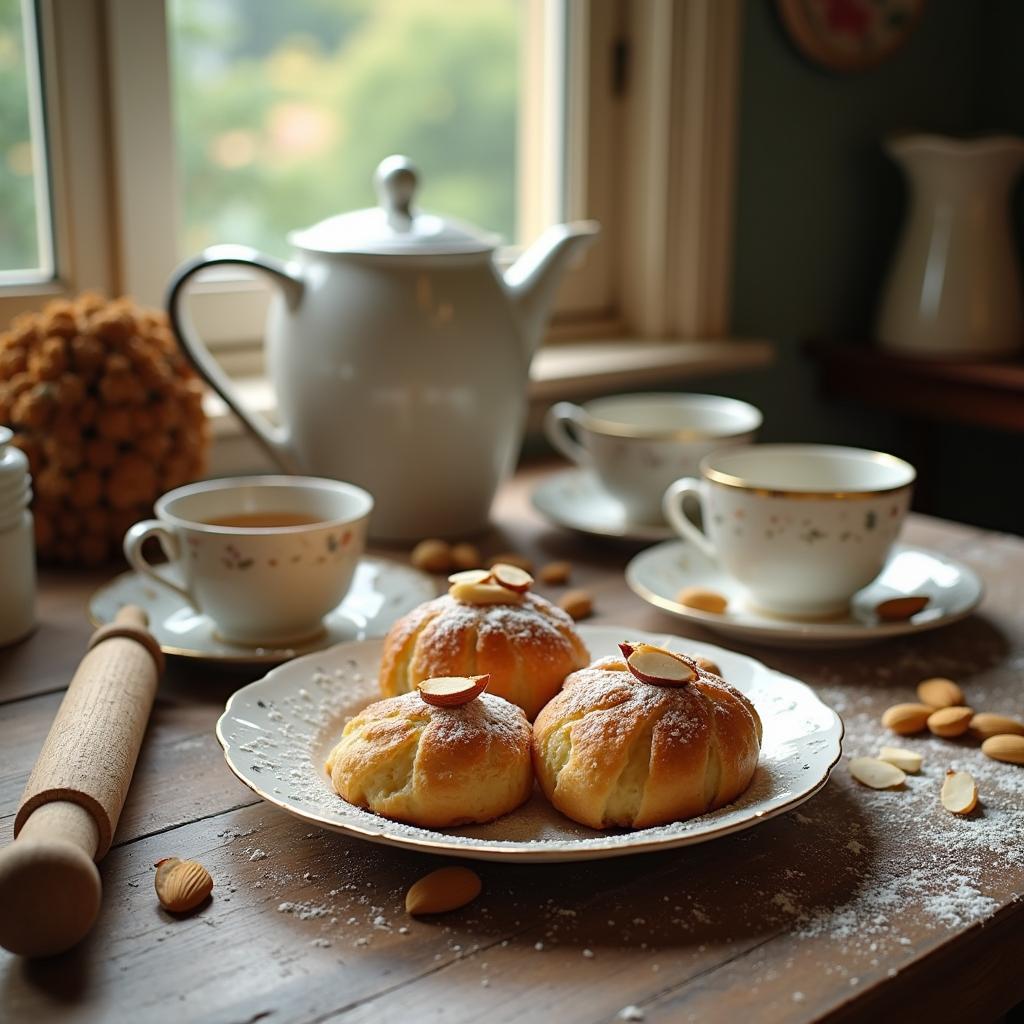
(487, 622)
(644, 740)
(465, 759)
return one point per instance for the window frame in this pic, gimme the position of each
(650, 122)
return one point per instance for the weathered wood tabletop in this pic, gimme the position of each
(858, 904)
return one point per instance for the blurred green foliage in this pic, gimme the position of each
(283, 110)
(19, 245)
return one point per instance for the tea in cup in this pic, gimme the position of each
(638, 444)
(802, 527)
(264, 557)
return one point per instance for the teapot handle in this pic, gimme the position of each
(273, 439)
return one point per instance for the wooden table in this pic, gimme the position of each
(834, 911)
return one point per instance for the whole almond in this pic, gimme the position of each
(985, 724)
(875, 773)
(907, 718)
(950, 722)
(578, 604)
(959, 793)
(940, 693)
(443, 890)
(1009, 748)
(898, 609)
(702, 600)
(511, 558)
(555, 574)
(906, 760)
(181, 885)
(432, 556)
(466, 556)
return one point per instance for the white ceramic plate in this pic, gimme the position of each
(659, 573)
(575, 498)
(381, 592)
(277, 732)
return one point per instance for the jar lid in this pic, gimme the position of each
(13, 461)
(394, 228)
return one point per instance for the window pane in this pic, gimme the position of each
(283, 110)
(24, 215)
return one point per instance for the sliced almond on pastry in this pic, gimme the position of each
(483, 593)
(655, 665)
(470, 576)
(511, 577)
(452, 691)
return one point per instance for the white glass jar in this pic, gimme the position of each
(17, 545)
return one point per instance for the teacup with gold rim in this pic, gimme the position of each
(802, 527)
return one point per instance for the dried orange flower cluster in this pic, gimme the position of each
(109, 414)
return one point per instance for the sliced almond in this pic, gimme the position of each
(578, 604)
(985, 724)
(452, 691)
(959, 793)
(511, 577)
(906, 760)
(466, 556)
(443, 890)
(950, 722)
(555, 574)
(940, 693)
(703, 600)
(708, 665)
(656, 665)
(898, 609)
(483, 593)
(907, 718)
(1009, 748)
(470, 576)
(432, 555)
(511, 558)
(877, 774)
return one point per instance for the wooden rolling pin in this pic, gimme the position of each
(49, 886)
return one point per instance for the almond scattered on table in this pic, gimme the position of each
(555, 574)
(443, 890)
(940, 693)
(906, 760)
(985, 724)
(703, 600)
(1008, 748)
(949, 722)
(906, 719)
(466, 556)
(878, 774)
(578, 604)
(959, 793)
(181, 885)
(899, 609)
(432, 555)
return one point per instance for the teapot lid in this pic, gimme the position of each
(394, 228)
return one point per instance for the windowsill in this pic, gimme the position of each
(568, 371)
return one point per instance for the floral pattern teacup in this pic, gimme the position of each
(263, 583)
(802, 527)
(638, 444)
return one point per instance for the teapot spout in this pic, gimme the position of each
(533, 279)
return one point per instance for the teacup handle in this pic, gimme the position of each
(555, 426)
(136, 536)
(672, 506)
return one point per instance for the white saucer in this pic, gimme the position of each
(277, 732)
(576, 499)
(381, 592)
(659, 573)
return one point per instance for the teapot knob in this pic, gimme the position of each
(396, 181)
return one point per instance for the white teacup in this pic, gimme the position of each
(265, 557)
(638, 444)
(802, 527)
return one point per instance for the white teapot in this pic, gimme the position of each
(399, 354)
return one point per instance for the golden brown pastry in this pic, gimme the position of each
(433, 765)
(524, 643)
(613, 750)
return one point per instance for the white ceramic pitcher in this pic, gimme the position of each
(399, 354)
(954, 285)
